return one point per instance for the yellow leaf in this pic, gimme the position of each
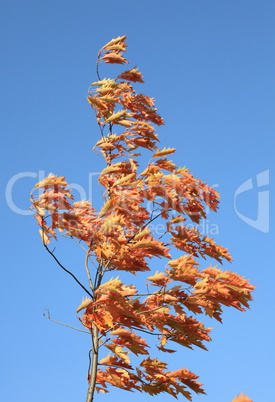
(44, 237)
(125, 123)
(40, 211)
(124, 179)
(117, 115)
(163, 152)
(144, 232)
(106, 82)
(85, 303)
(115, 41)
(106, 208)
(52, 180)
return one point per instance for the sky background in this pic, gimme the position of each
(209, 64)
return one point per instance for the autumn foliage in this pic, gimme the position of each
(121, 318)
(242, 398)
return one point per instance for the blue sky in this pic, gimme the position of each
(209, 65)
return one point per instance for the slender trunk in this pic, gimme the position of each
(91, 389)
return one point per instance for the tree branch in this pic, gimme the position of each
(97, 66)
(65, 325)
(66, 270)
(88, 271)
(143, 227)
(92, 383)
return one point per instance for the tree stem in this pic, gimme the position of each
(91, 389)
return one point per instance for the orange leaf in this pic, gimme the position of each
(114, 58)
(159, 279)
(242, 398)
(131, 75)
(112, 360)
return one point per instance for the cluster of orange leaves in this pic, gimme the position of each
(119, 238)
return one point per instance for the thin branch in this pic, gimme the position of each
(151, 220)
(65, 325)
(77, 242)
(88, 271)
(143, 226)
(101, 269)
(163, 234)
(66, 270)
(153, 209)
(106, 332)
(147, 332)
(96, 275)
(97, 66)
(80, 245)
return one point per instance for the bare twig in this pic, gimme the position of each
(97, 66)
(65, 325)
(66, 270)
(77, 242)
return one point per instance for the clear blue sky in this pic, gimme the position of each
(210, 66)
